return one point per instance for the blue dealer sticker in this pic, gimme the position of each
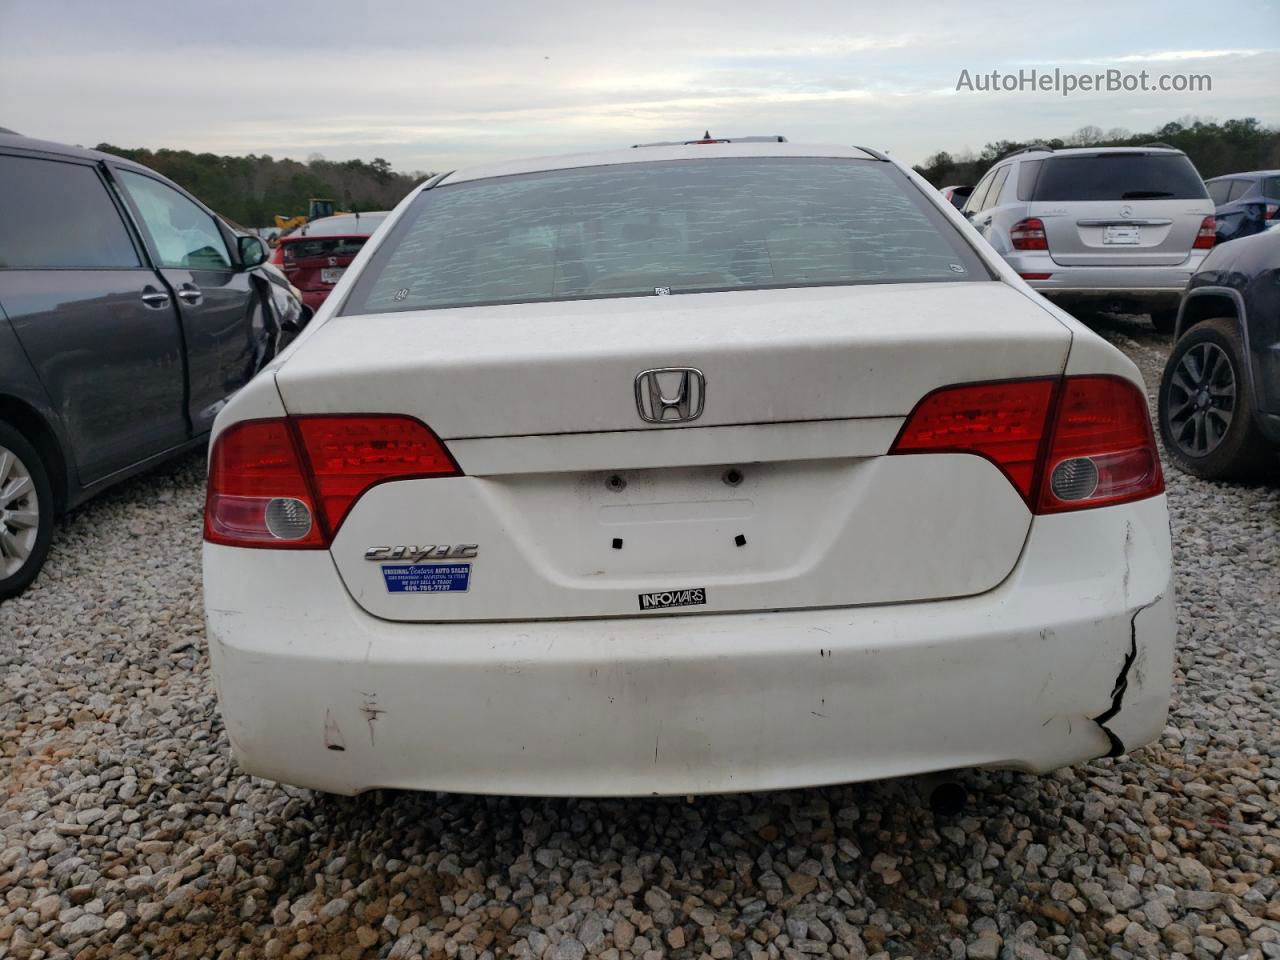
(427, 577)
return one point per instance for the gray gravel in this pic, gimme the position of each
(126, 830)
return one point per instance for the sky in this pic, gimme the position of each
(432, 86)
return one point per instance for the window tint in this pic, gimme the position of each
(997, 185)
(1238, 189)
(1218, 191)
(638, 229)
(183, 234)
(1119, 176)
(1028, 170)
(56, 214)
(1271, 188)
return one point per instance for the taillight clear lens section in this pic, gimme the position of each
(1102, 420)
(1207, 235)
(1064, 444)
(1003, 422)
(253, 465)
(289, 482)
(1028, 234)
(348, 455)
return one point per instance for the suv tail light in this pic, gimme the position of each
(1207, 235)
(1272, 210)
(289, 482)
(1028, 234)
(1066, 443)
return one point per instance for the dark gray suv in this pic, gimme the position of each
(129, 314)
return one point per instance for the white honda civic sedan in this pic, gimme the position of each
(685, 469)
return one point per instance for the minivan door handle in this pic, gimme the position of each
(190, 293)
(153, 297)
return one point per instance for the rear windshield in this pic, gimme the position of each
(306, 248)
(645, 229)
(1271, 188)
(1119, 176)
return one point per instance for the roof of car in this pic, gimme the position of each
(1245, 173)
(1089, 151)
(336, 224)
(509, 168)
(17, 141)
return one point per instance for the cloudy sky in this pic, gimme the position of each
(433, 85)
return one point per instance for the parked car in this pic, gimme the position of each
(1106, 227)
(956, 195)
(1219, 404)
(317, 253)
(685, 469)
(1245, 203)
(129, 313)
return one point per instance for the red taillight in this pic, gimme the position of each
(1035, 276)
(290, 482)
(255, 470)
(1028, 234)
(348, 455)
(1272, 210)
(1207, 235)
(1003, 422)
(1064, 444)
(1102, 450)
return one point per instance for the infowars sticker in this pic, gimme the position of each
(691, 597)
(427, 577)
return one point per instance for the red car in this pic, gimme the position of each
(315, 255)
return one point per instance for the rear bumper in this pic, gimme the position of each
(316, 692)
(1159, 285)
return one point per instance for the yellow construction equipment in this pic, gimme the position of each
(317, 207)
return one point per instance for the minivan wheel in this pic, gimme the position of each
(1205, 411)
(26, 512)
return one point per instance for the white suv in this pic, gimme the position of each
(1121, 227)
(684, 469)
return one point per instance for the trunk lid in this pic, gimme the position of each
(317, 263)
(778, 496)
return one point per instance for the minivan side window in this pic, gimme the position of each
(183, 234)
(1218, 191)
(56, 215)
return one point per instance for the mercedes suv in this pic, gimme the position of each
(1105, 227)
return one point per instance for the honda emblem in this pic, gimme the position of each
(670, 394)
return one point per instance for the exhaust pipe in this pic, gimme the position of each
(945, 794)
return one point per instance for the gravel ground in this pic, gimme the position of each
(127, 830)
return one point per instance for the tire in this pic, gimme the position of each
(1206, 412)
(26, 495)
(1164, 320)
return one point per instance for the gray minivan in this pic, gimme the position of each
(129, 314)
(1116, 227)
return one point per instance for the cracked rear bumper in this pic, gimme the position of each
(318, 693)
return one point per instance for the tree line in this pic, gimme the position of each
(1215, 148)
(252, 190)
